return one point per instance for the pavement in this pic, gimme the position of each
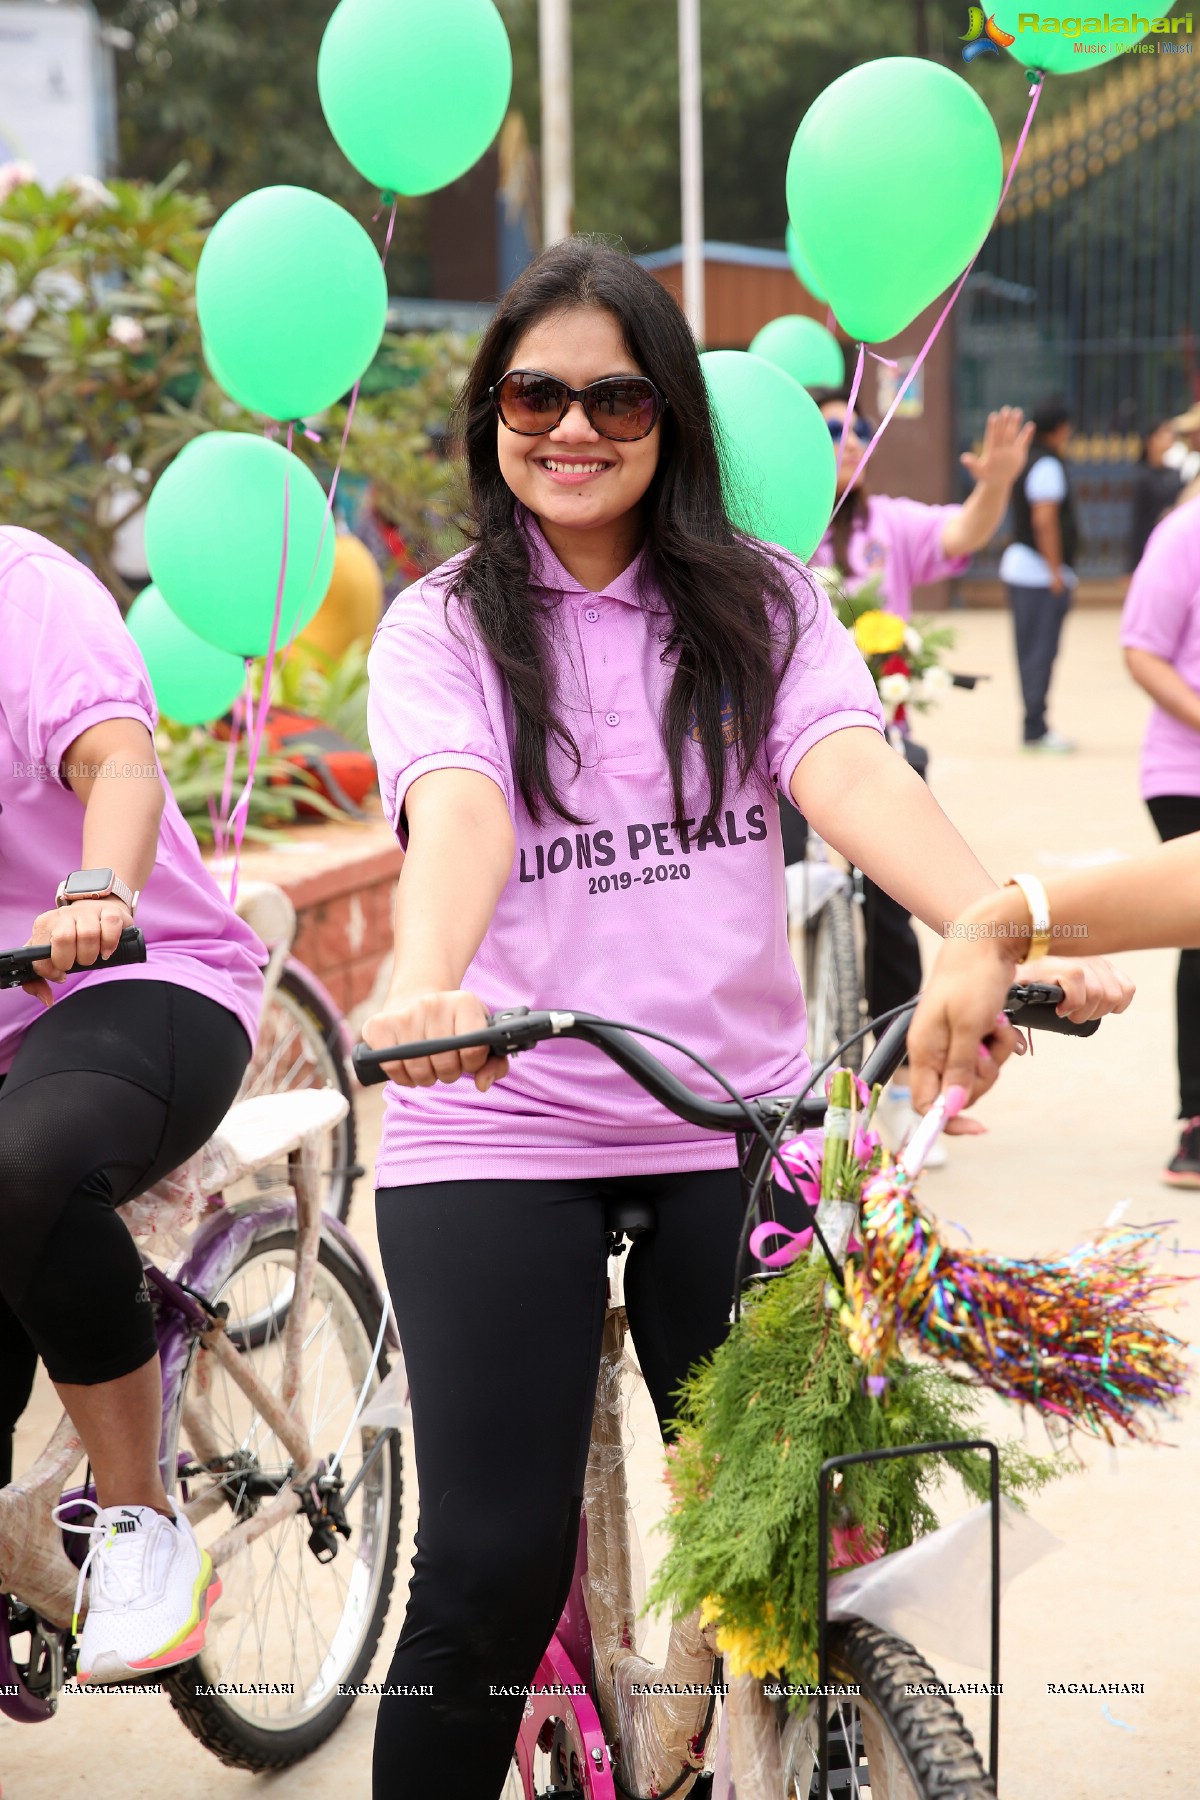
(1076, 1131)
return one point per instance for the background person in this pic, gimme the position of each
(1156, 487)
(1036, 569)
(124, 1077)
(904, 544)
(1160, 632)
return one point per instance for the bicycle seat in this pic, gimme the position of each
(628, 1217)
(267, 910)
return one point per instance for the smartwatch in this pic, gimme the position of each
(95, 884)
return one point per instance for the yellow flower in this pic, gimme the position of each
(744, 1651)
(878, 633)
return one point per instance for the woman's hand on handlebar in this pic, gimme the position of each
(960, 1011)
(1092, 987)
(409, 1017)
(80, 933)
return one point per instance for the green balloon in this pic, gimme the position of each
(1055, 52)
(919, 152)
(776, 452)
(214, 540)
(193, 681)
(414, 91)
(804, 349)
(292, 301)
(800, 268)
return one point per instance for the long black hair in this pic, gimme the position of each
(734, 622)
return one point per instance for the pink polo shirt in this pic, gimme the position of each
(1162, 615)
(900, 542)
(67, 662)
(628, 916)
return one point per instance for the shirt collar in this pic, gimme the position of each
(631, 586)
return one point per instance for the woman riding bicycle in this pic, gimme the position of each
(581, 724)
(108, 1089)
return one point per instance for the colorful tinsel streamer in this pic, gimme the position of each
(1068, 1335)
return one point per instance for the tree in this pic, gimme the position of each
(229, 87)
(102, 380)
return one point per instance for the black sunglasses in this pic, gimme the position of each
(621, 407)
(862, 431)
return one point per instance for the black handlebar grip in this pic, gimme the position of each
(1044, 1018)
(131, 948)
(369, 1073)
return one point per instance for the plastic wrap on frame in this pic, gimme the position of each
(752, 1723)
(936, 1592)
(164, 1217)
(659, 1734)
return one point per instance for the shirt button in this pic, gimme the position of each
(591, 615)
(612, 718)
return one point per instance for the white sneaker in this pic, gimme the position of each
(896, 1121)
(150, 1591)
(1052, 743)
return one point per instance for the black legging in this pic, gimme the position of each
(1178, 815)
(110, 1090)
(499, 1291)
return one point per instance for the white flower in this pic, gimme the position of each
(127, 331)
(914, 643)
(894, 690)
(14, 175)
(937, 680)
(20, 315)
(92, 192)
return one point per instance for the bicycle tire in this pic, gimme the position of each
(301, 1037)
(210, 1717)
(924, 1731)
(833, 983)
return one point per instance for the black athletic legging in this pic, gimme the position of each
(499, 1292)
(110, 1090)
(1178, 815)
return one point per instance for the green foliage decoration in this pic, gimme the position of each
(757, 1419)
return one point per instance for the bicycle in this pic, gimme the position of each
(600, 1721)
(303, 1043)
(274, 1337)
(827, 937)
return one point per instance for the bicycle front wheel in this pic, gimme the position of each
(885, 1742)
(291, 1637)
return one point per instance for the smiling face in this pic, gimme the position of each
(572, 478)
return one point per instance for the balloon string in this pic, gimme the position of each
(341, 455)
(258, 726)
(926, 347)
(237, 716)
(848, 421)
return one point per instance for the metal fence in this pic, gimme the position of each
(1089, 288)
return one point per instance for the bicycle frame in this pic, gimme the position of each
(33, 1561)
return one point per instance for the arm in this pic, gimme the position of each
(460, 852)
(113, 769)
(1047, 535)
(865, 800)
(1150, 902)
(1165, 686)
(1005, 448)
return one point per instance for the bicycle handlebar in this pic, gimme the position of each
(16, 966)
(516, 1029)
